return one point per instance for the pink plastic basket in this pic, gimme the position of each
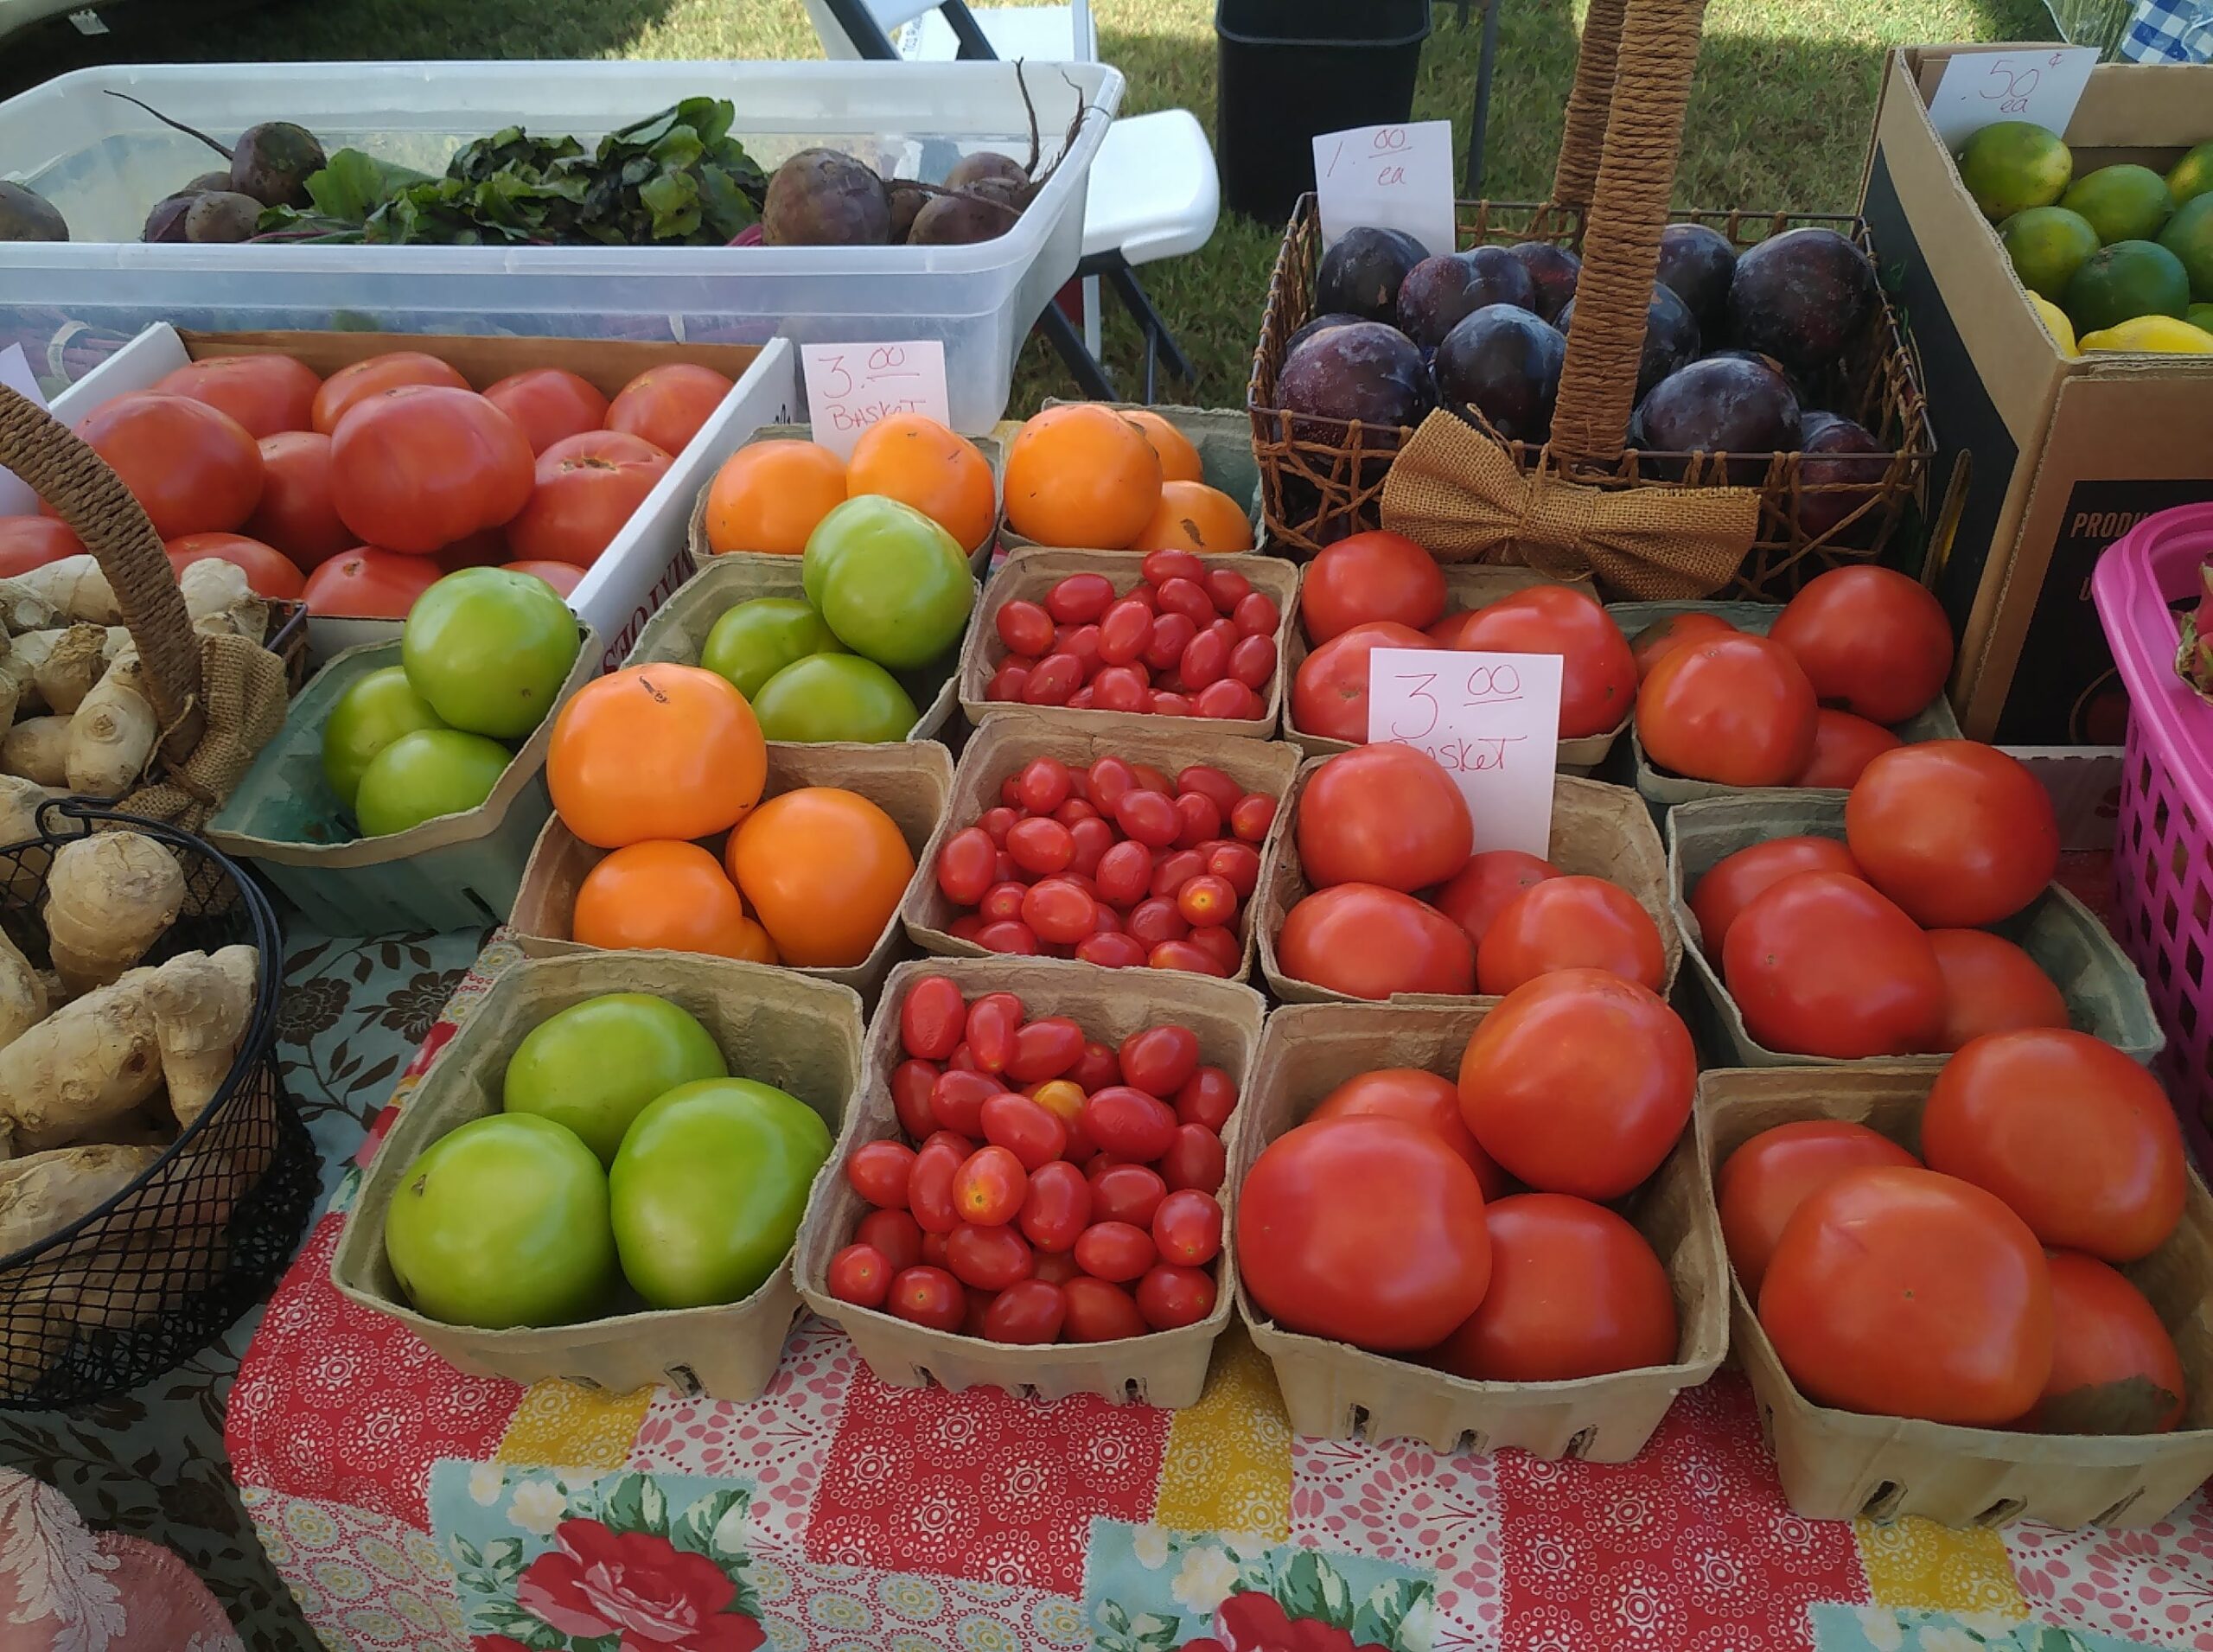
(2162, 851)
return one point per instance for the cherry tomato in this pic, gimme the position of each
(1843, 747)
(1154, 921)
(1015, 1122)
(1207, 1097)
(668, 405)
(1115, 1251)
(1731, 883)
(1257, 615)
(1207, 903)
(1170, 872)
(879, 1173)
(958, 1097)
(1870, 639)
(2114, 1370)
(549, 404)
(1043, 785)
(1040, 845)
(965, 866)
(1161, 566)
(1124, 873)
(1171, 1297)
(1254, 813)
(1199, 818)
(993, 1021)
(933, 1250)
(1765, 1180)
(929, 1189)
(1125, 632)
(1093, 837)
(1236, 865)
(1820, 964)
(1368, 577)
(1148, 817)
(1026, 628)
(933, 1019)
(1222, 945)
(1252, 661)
(1370, 943)
(1027, 1312)
(1002, 902)
(1007, 683)
(1080, 597)
(988, 1188)
(1159, 1061)
(368, 583)
(1055, 678)
(1097, 1067)
(895, 1234)
(1732, 708)
(1098, 1312)
(1111, 951)
(1044, 1048)
(1195, 1159)
(997, 823)
(1571, 923)
(1056, 1267)
(1186, 1227)
(1171, 634)
(989, 1258)
(1059, 911)
(928, 1296)
(860, 1274)
(1598, 672)
(1958, 834)
(1226, 588)
(1057, 1206)
(1129, 1193)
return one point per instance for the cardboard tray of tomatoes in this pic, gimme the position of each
(1334, 1391)
(1844, 1465)
(1167, 1368)
(801, 1036)
(1598, 831)
(1008, 741)
(2105, 995)
(1223, 439)
(910, 782)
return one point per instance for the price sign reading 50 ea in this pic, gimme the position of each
(1387, 177)
(852, 386)
(1492, 720)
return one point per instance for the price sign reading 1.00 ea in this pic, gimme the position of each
(1387, 177)
(852, 386)
(1492, 720)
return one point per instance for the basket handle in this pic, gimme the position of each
(1583, 139)
(91, 501)
(1657, 51)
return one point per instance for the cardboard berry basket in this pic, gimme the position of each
(1223, 437)
(802, 1036)
(909, 782)
(1468, 585)
(1166, 1367)
(1007, 742)
(1030, 574)
(1334, 1391)
(2105, 995)
(1598, 831)
(1663, 788)
(1844, 1465)
(679, 630)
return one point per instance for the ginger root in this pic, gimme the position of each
(109, 897)
(90, 1062)
(22, 994)
(73, 587)
(111, 738)
(220, 601)
(23, 608)
(44, 1193)
(201, 1005)
(38, 749)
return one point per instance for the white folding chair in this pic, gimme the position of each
(1153, 192)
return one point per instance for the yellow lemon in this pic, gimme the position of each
(2162, 335)
(2056, 323)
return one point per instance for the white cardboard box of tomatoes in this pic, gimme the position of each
(643, 564)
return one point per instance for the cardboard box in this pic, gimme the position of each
(2046, 459)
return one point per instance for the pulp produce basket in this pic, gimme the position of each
(1222, 435)
(2163, 849)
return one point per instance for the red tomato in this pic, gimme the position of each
(1056, 1207)
(1115, 1251)
(2069, 1132)
(28, 542)
(1419, 1097)
(895, 1234)
(929, 1186)
(1195, 1159)
(1958, 834)
(268, 394)
(2114, 1370)
(563, 576)
(994, 1019)
(1732, 708)
(932, 1018)
(1099, 1312)
(268, 572)
(1370, 943)
(1171, 1297)
(1480, 890)
(295, 515)
(989, 1187)
(1578, 1082)
(668, 404)
(548, 405)
(987, 1259)
(368, 583)
(1902, 1292)
(1384, 814)
(373, 376)
(192, 467)
(588, 487)
(1368, 577)
(1128, 1193)
(1328, 697)
(1187, 1228)
(1571, 923)
(1662, 637)
(1024, 1129)
(1768, 1176)
(1991, 985)
(1028, 1312)
(1159, 1061)
(1820, 964)
(1364, 1230)
(1575, 1292)
(1871, 640)
(1044, 1048)
(418, 468)
(1843, 746)
(1128, 1123)
(1598, 672)
(879, 1172)
(1208, 1097)
(861, 1275)
(929, 1297)
(1731, 883)
(958, 1097)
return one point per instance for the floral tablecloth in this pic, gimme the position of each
(411, 1507)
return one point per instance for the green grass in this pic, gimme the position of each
(1779, 115)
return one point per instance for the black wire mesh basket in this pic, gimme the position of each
(145, 1280)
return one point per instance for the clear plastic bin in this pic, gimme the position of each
(103, 162)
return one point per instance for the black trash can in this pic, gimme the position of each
(1289, 69)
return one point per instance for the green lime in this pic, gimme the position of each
(2189, 236)
(2201, 317)
(754, 640)
(2012, 166)
(2193, 174)
(834, 697)
(2048, 244)
(2126, 280)
(2123, 203)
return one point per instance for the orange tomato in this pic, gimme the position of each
(655, 752)
(668, 895)
(269, 394)
(1082, 475)
(1192, 516)
(768, 495)
(1179, 459)
(918, 462)
(667, 405)
(379, 373)
(826, 869)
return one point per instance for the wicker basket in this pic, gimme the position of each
(143, 1283)
(1322, 479)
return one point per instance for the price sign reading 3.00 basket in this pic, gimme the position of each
(1492, 720)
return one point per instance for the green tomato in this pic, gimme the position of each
(374, 711)
(502, 1222)
(489, 650)
(422, 776)
(593, 1065)
(890, 582)
(706, 1193)
(834, 697)
(754, 640)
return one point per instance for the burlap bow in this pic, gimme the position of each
(1455, 490)
(243, 684)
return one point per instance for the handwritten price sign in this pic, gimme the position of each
(1387, 177)
(1978, 89)
(852, 386)
(1492, 720)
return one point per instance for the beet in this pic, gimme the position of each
(821, 197)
